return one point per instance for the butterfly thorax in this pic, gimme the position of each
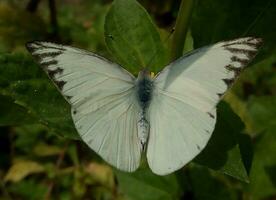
(144, 87)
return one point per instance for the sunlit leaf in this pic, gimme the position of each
(42, 149)
(21, 169)
(101, 174)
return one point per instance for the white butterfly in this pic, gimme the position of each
(170, 116)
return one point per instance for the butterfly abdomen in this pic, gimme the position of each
(143, 129)
(144, 87)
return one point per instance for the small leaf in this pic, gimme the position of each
(43, 149)
(132, 37)
(21, 169)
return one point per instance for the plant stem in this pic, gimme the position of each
(57, 167)
(53, 18)
(181, 28)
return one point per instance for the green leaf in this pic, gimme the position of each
(262, 176)
(21, 169)
(14, 114)
(223, 152)
(42, 149)
(29, 189)
(27, 136)
(144, 185)
(24, 82)
(263, 112)
(132, 37)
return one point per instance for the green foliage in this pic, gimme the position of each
(163, 187)
(29, 189)
(33, 113)
(18, 26)
(223, 152)
(264, 166)
(208, 187)
(263, 112)
(132, 37)
(9, 108)
(24, 82)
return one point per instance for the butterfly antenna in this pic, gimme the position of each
(158, 50)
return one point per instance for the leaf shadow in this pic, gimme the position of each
(225, 138)
(271, 172)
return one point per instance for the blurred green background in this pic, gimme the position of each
(40, 154)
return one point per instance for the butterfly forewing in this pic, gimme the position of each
(102, 96)
(183, 108)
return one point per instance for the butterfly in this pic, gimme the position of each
(170, 116)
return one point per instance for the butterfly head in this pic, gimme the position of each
(145, 74)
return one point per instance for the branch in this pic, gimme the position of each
(57, 166)
(181, 28)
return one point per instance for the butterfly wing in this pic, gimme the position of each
(102, 98)
(182, 112)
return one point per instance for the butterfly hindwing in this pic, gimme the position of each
(182, 112)
(102, 97)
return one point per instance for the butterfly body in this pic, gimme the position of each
(144, 84)
(144, 89)
(171, 116)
